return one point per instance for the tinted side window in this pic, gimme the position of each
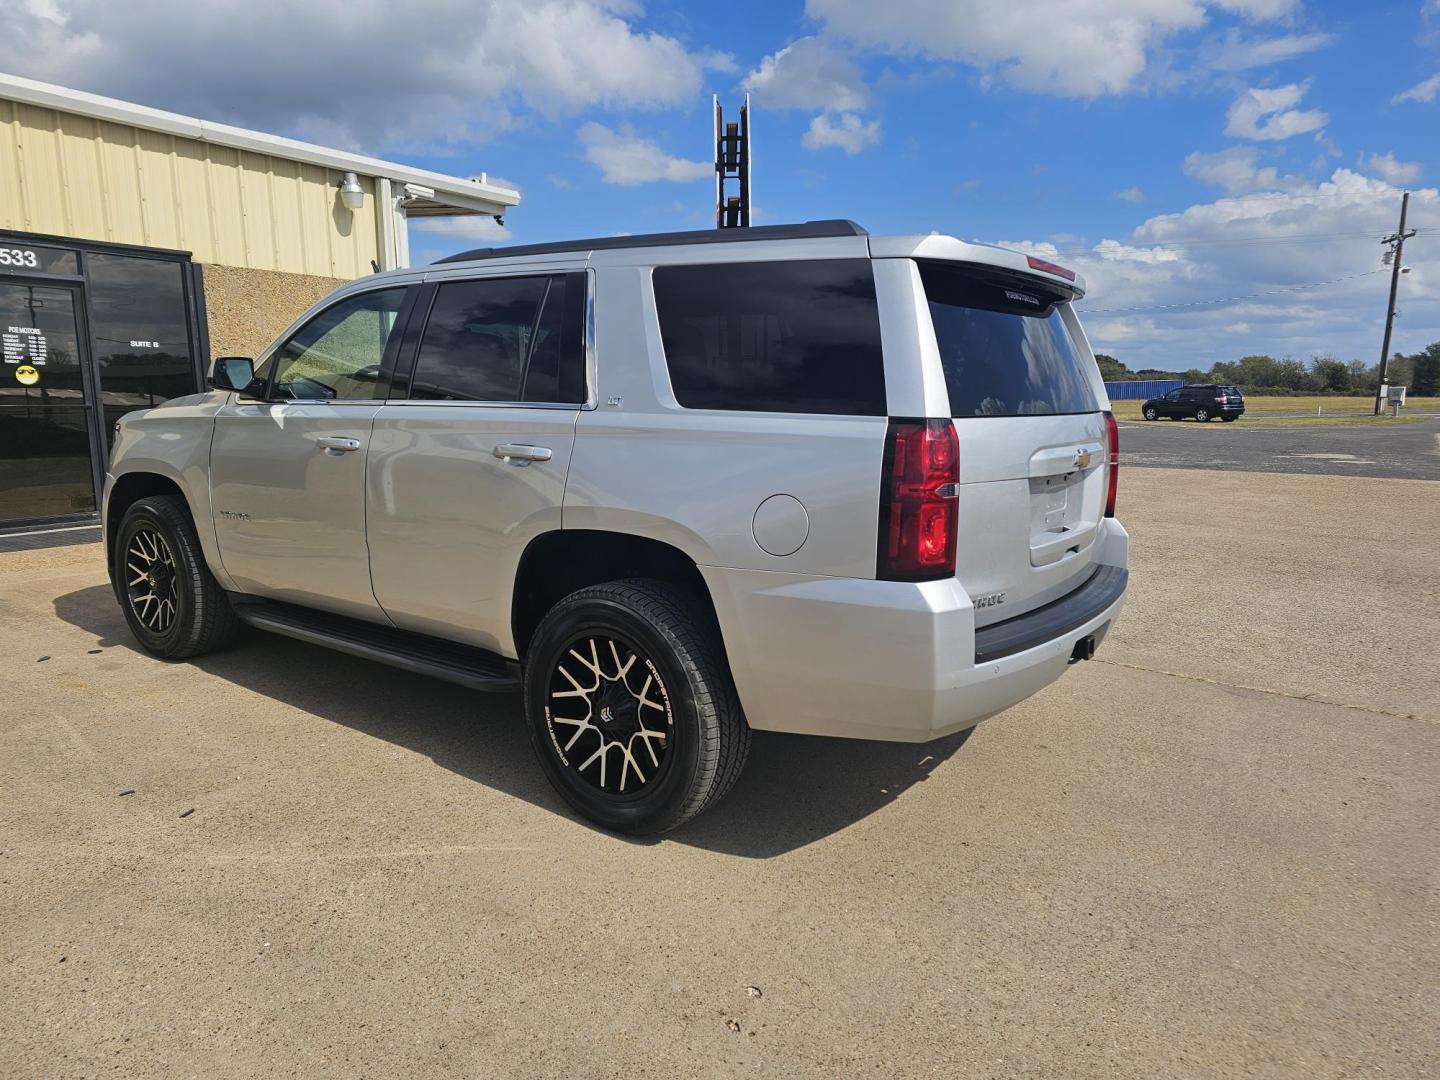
(337, 355)
(556, 371)
(502, 339)
(800, 337)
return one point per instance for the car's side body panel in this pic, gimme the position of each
(695, 478)
(290, 513)
(447, 520)
(172, 442)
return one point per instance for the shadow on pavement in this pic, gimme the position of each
(795, 789)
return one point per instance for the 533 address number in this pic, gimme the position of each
(18, 257)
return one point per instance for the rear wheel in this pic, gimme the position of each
(172, 602)
(1151, 414)
(1203, 415)
(631, 708)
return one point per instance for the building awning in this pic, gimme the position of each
(426, 193)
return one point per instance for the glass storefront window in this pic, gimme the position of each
(18, 257)
(140, 330)
(44, 431)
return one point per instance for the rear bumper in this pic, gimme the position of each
(893, 660)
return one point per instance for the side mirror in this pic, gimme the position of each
(232, 373)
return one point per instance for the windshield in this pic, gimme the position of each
(1004, 347)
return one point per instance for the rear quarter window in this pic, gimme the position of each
(1004, 347)
(795, 337)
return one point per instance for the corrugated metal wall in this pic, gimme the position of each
(1145, 388)
(90, 179)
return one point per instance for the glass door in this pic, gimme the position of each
(46, 467)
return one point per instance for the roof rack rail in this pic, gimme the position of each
(810, 230)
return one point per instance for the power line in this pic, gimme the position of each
(1232, 299)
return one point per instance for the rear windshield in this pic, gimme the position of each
(1003, 345)
(796, 337)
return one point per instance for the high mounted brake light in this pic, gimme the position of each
(1112, 441)
(919, 501)
(1050, 268)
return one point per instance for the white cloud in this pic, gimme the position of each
(1259, 243)
(375, 75)
(1260, 9)
(808, 74)
(1270, 114)
(1131, 195)
(1235, 52)
(1423, 92)
(848, 132)
(1064, 47)
(1236, 169)
(627, 158)
(1393, 171)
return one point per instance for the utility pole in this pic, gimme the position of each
(1398, 239)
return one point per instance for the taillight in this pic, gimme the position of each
(919, 501)
(1112, 438)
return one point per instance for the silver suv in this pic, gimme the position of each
(675, 487)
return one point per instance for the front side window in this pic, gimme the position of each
(517, 339)
(795, 337)
(337, 355)
(1004, 346)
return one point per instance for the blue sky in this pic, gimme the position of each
(1176, 151)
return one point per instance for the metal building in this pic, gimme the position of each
(135, 244)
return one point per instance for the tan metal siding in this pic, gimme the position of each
(90, 179)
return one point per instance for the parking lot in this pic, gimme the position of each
(1402, 451)
(1209, 852)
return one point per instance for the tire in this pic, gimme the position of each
(679, 729)
(158, 551)
(1151, 414)
(1202, 415)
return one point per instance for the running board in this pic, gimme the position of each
(419, 653)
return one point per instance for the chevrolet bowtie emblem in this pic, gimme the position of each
(1082, 459)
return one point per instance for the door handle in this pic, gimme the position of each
(335, 445)
(520, 455)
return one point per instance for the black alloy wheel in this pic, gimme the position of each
(150, 585)
(171, 601)
(631, 708)
(609, 717)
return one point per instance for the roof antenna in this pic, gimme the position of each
(732, 162)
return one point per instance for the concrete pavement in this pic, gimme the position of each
(1209, 853)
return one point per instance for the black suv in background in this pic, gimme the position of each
(1202, 401)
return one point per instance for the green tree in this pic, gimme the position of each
(1195, 375)
(1426, 366)
(1111, 370)
(1333, 375)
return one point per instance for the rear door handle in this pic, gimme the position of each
(521, 454)
(335, 445)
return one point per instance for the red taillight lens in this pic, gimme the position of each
(1112, 438)
(919, 501)
(1050, 268)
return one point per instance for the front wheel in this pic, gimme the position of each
(631, 708)
(1202, 415)
(172, 602)
(1151, 414)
